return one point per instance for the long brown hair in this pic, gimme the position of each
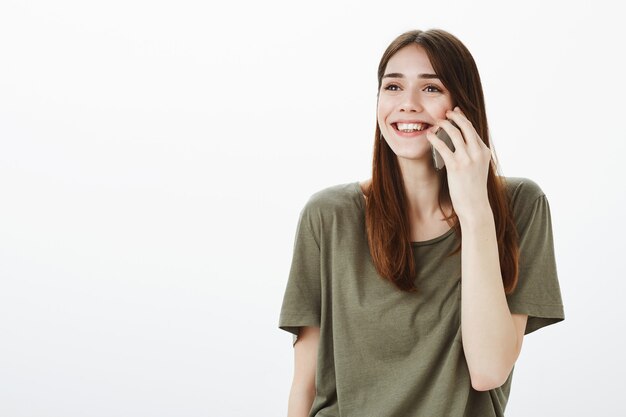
(386, 214)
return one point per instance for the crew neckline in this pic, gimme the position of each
(361, 197)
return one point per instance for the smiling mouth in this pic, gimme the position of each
(410, 127)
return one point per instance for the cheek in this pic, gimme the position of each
(445, 106)
(441, 110)
(379, 115)
(382, 111)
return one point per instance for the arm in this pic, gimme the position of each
(305, 363)
(492, 336)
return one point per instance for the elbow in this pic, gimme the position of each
(485, 384)
(492, 376)
(489, 381)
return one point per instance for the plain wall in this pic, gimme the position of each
(154, 157)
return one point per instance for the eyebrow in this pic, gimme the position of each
(400, 75)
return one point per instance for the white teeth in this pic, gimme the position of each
(411, 126)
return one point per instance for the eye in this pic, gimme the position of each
(391, 87)
(436, 89)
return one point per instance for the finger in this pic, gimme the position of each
(467, 128)
(460, 148)
(441, 146)
(477, 148)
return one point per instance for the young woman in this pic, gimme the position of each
(410, 293)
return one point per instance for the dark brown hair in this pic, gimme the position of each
(386, 214)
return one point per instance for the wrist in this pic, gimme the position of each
(478, 218)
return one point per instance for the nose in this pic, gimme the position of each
(411, 102)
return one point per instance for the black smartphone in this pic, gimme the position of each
(443, 135)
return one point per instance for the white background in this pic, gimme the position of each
(154, 157)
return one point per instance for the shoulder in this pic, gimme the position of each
(526, 199)
(333, 198)
(332, 203)
(522, 189)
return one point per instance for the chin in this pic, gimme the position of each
(415, 158)
(414, 153)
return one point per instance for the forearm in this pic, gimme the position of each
(300, 402)
(487, 328)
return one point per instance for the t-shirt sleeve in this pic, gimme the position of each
(302, 298)
(538, 293)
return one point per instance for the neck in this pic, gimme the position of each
(421, 186)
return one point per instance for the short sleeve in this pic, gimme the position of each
(538, 293)
(302, 298)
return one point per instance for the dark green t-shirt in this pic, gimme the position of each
(388, 353)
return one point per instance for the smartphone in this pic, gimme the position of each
(443, 135)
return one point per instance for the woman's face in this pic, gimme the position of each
(411, 99)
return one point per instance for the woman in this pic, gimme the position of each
(410, 293)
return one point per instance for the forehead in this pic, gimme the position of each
(411, 59)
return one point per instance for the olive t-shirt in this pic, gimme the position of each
(388, 353)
